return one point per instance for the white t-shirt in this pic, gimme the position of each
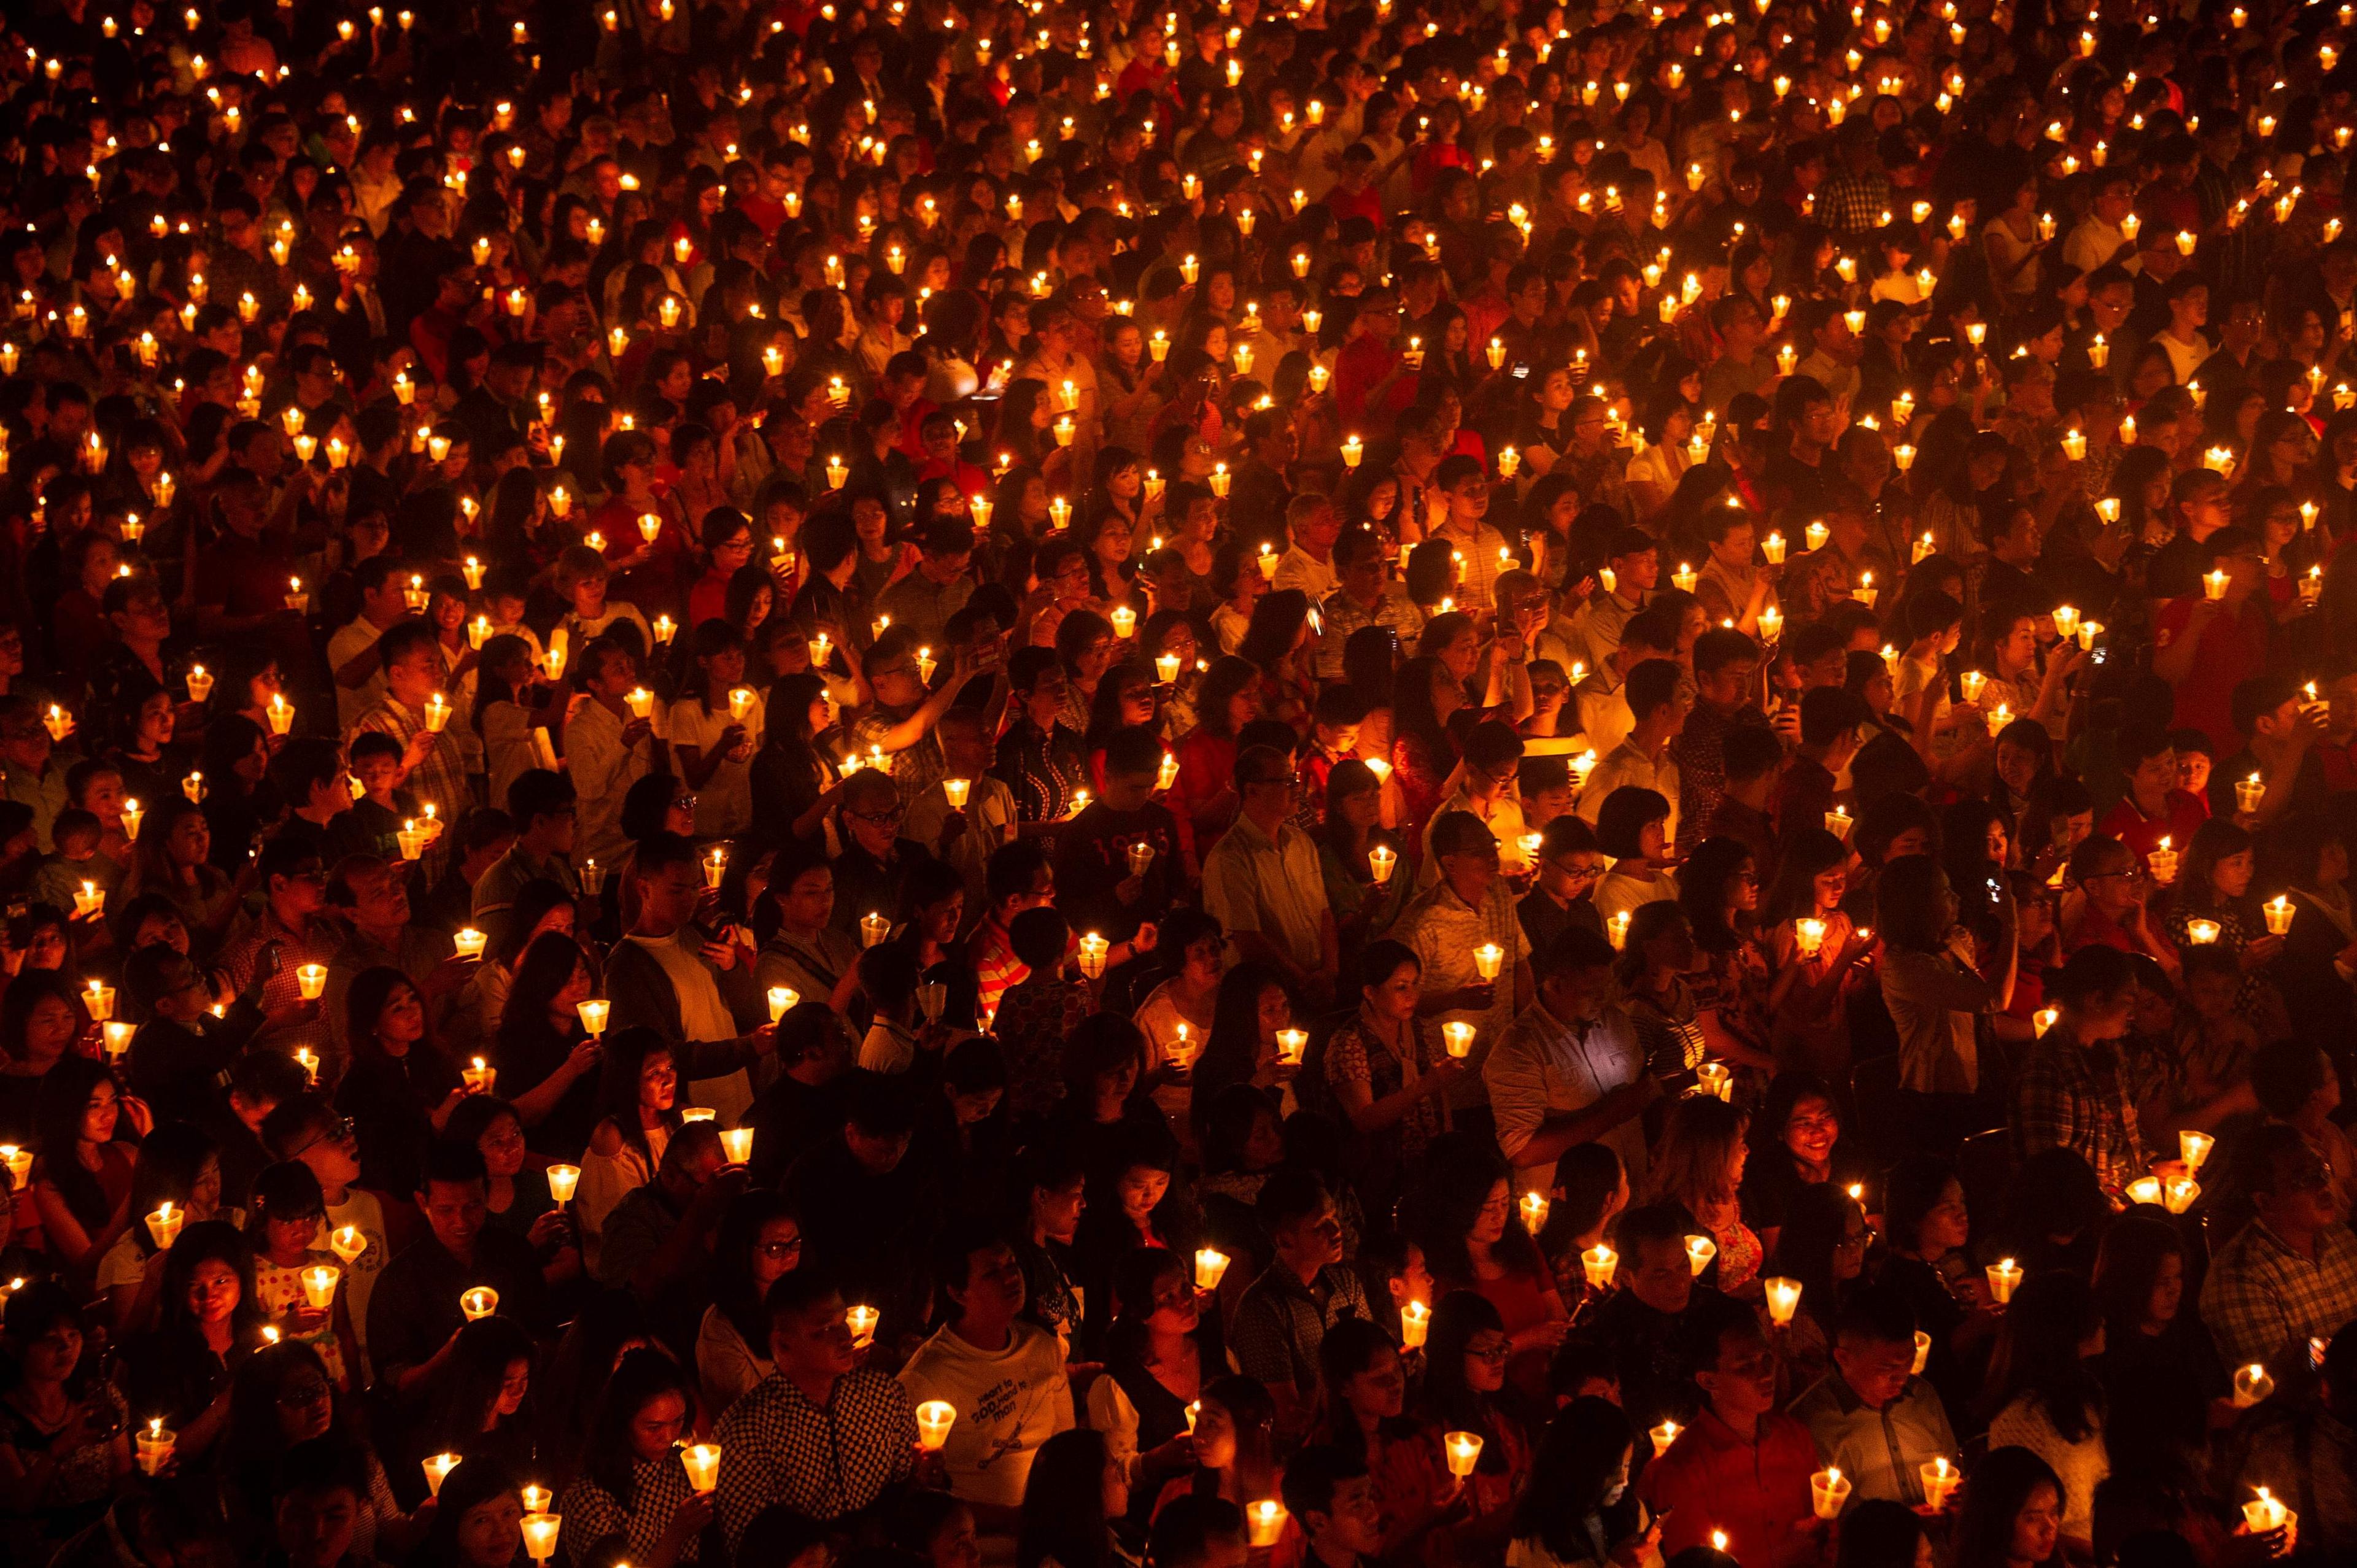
(1009, 1402)
(724, 802)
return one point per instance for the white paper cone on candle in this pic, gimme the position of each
(1783, 1300)
(1464, 1452)
(437, 1467)
(702, 1462)
(934, 1419)
(1829, 1492)
(562, 1180)
(1416, 1321)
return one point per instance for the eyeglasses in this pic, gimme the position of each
(778, 1251)
(880, 819)
(341, 1131)
(1494, 1351)
(683, 802)
(301, 1395)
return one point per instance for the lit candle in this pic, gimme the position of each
(1464, 1450)
(1380, 860)
(311, 978)
(736, 1143)
(1714, 1080)
(1783, 1300)
(782, 999)
(1487, 960)
(163, 1225)
(2178, 1195)
(319, 1285)
(593, 1014)
(2202, 933)
(1264, 1520)
(1922, 1352)
(469, 943)
(861, 1320)
(1829, 1490)
(540, 1532)
(1617, 927)
(1809, 935)
(1459, 1038)
(1415, 1321)
(1600, 1261)
(1290, 1045)
(100, 1000)
(702, 1461)
(437, 1468)
(934, 1419)
(2277, 911)
(481, 1302)
(1211, 1267)
(118, 1037)
(155, 1446)
(2195, 1147)
(1941, 1480)
(873, 930)
(562, 1180)
(1094, 949)
(2251, 1384)
(2145, 1189)
(348, 1242)
(1700, 1250)
(2267, 1513)
(2004, 1275)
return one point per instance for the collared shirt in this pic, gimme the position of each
(319, 945)
(1545, 1067)
(1299, 569)
(916, 768)
(1344, 614)
(1880, 1450)
(2262, 1300)
(1444, 929)
(1725, 594)
(1700, 751)
(496, 891)
(439, 778)
(1714, 1477)
(778, 1447)
(1477, 578)
(1280, 1322)
(591, 1513)
(603, 770)
(1252, 882)
(2072, 1094)
(1605, 721)
(1503, 816)
(1625, 766)
(1601, 623)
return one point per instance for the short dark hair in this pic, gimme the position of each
(1652, 686)
(1290, 1194)
(1311, 1477)
(1876, 1314)
(451, 1162)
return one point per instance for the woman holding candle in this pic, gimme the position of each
(795, 780)
(1796, 1143)
(2308, 858)
(1155, 1362)
(1186, 1002)
(476, 1403)
(2045, 1396)
(1385, 1070)
(1277, 643)
(1364, 907)
(1718, 888)
(81, 1183)
(1573, 1510)
(209, 1322)
(1233, 1441)
(400, 1087)
(1927, 1225)
(2157, 1358)
(2215, 886)
(711, 743)
(519, 1199)
(1136, 1207)
(1821, 1244)
(283, 1398)
(760, 1242)
(1656, 954)
(1810, 1025)
(546, 1061)
(1698, 1163)
(636, 1085)
(1252, 1005)
(633, 1483)
(1474, 1241)
(180, 1164)
(150, 764)
(1466, 1353)
(171, 858)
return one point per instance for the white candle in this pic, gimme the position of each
(934, 1419)
(1783, 1300)
(702, 1461)
(1464, 1450)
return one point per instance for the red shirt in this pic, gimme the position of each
(2234, 649)
(2127, 823)
(1714, 1479)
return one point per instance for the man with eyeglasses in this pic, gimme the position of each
(1742, 1465)
(1569, 866)
(2289, 1275)
(1262, 881)
(874, 857)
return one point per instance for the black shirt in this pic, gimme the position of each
(414, 1308)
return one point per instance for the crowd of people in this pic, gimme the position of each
(1430, 786)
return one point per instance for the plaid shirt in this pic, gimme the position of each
(2264, 1301)
(1344, 614)
(2074, 1095)
(440, 777)
(1854, 203)
(778, 1447)
(591, 1513)
(1477, 578)
(1279, 1323)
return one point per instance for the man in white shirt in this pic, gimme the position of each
(1601, 697)
(2099, 240)
(1634, 567)
(1644, 761)
(351, 651)
(1314, 522)
(1004, 1376)
(1570, 1069)
(1262, 880)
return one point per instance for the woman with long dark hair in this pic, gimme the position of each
(400, 1087)
(1384, 1069)
(82, 1180)
(1796, 1142)
(633, 1483)
(477, 1405)
(1467, 1222)
(63, 1425)
(283, 1396)
(1253, 1006)
(1234, 1444)
(477, 1517)
(2156, 1350)
(1074, 1504)
(1580, 1473)
(2044, 1394)
(1465, 1357)
(795, 780)
(208, 1324)
(542, 905)
(1204, 798)
(1155, 1365)
(760, 1242)
(179, 1163)
(637, 1085)
(547, 1063)
(2012, 1515)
